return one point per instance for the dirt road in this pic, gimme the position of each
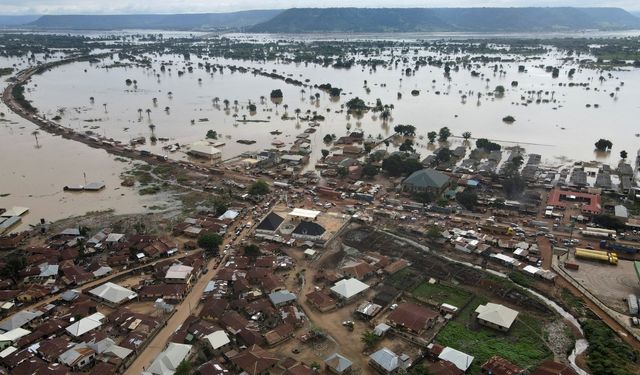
(182, 311)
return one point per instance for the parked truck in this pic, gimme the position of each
(602, 256)
(596, 233)
(617, 247)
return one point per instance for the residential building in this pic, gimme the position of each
(338, 364)
(412, 317)
(496, 316)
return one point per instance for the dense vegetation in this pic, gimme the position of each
(607, 355)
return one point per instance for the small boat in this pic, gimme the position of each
(275, 132)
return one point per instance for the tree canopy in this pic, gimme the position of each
(444, 134)
(260, 187)
(396, 165)
(487, 145)
(406, 130)
(356, 104)
(210, 242)
(603, 145)
(276, 94)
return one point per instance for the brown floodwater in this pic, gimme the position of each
(562, 127)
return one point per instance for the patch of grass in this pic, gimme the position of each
(163, 170)
(441, 293)
(402, 279)
(520, 278)
(121, 159)
(150, 190)
(523, 345)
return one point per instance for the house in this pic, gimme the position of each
(499, 366)
(358, 270)
(338, 364)
(308, 231)
(20, 319)
(78, 357)
(348, 289)
(86, 324)
(205, 150)
(368, 310)
(218, 340)
(212, 367)
(553, 368)
(254, 361)
(180, 274)
(412, 317)
(387, 362)
(34, 292)
(168, 361)
(461, 360)
(496, 316)
(113, 294)
(426, 181)
(10, 337)
(270, 224)
(279, 334)
(282, 298)
(170, 293)
(321, 301)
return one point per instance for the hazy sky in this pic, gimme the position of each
(8, 7)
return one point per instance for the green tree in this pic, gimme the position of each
(467, 199)
(434, 232)
(251, 251)
(487, 145)
(276, 94)
(260, 187)
(406, 130)
(466, 135)
(369, 170)
(444, 134)
(14, 263)
(407, 146)
(184, 368)
(444, 155)
(623, 154)
(369, 339)
(603, 145)
(396, 165)
(325, 153)
(356, 104)
(432, 136)
(327, 138)
(210, 242)
(212, 134)
(342, 171)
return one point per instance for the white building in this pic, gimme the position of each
(496, 316)
(348, 289)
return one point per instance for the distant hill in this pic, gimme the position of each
(307, 20)
(16, 20)
(196, 21)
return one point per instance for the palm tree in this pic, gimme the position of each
(166, 109)
(261, 99)
(105, 107)
(140, 113)
(152, 127)
(216, 100)
(91, 99)
(297, 111)
(35, 134)
(148, 113)
(226, 103)
(155, 101)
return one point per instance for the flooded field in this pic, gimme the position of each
(34, 176)
(552, 117)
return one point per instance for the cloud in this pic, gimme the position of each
(199, 6)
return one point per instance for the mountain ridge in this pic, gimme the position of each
(352, 20)
(310, 20)
(186, 21)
